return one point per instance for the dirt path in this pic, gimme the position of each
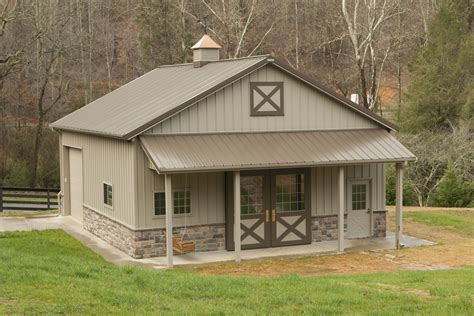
(453, 251)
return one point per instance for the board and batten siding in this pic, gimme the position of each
(207, 196)
(325, 192)
(104, 160)
(228, 110)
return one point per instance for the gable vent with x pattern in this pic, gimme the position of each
(266, 99)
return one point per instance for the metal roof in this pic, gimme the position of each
(131, 109)
(234, 151)
(145, 101)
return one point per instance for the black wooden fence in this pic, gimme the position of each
(28, 199)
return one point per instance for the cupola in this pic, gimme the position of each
(205, 51)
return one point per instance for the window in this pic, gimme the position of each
(160, 203)
(181, 202)
(359, 196)
(251, 194)
(108, 194)
(290, 193)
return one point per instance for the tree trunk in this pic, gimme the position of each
(36, 150)
(363, 85)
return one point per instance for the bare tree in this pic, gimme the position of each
(365, 39)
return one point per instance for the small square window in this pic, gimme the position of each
(108, 194)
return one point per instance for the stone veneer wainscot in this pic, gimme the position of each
(152, 242)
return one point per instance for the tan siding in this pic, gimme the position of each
(228, 110)
(325, 191)
(207, 196)
(106, 160)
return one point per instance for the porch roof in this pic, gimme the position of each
(259, 150)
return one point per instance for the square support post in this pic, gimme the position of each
(169, 220)
(340, 218)
(399, 205)
(237, 216)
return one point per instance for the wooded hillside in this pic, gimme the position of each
(56, 56)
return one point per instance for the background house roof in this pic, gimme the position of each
(131, 109)
(227, 151)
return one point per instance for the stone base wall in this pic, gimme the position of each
(151, 243)
(380, 224)
(324, 228)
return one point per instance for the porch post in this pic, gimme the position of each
(237, 215)
(342, 203)
(169, 220)
(399, 205)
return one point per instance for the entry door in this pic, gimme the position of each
(358, 214)
(255, 210)
(275, 208)
(291, 211)
(75, 183)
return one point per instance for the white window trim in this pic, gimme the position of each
(190, 214)
(111, 207)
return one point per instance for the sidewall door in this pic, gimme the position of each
(76, 183)
(358, 209)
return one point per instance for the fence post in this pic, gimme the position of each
(1, 199)
(49, 207)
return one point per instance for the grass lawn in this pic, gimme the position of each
(52, 199)
(27, 213)
(459, 221)
(50, 272)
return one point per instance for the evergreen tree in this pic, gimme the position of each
(453, 191)
(443, 72)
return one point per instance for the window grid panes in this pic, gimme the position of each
(359, 196)
(107, 194)
(290, 193)
(251, 195)
(181, 202)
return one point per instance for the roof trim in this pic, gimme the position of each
(289, 70)
(266, 60)
(279, 166)
(341, 99)
(197, 98)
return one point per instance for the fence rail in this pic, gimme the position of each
(28, 199)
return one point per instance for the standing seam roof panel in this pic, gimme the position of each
(228, 151)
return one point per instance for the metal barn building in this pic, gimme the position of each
(182, 156)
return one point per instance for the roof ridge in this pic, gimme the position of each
(218, 61)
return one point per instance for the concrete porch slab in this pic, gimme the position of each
(115, 256)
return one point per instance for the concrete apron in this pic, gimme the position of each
(117, 257)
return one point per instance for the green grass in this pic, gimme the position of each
(51, 272)
(27, 213)
(30, 199)
(459, 221)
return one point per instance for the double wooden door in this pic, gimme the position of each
(275, 208)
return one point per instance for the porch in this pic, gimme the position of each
(316, 248)
(274, 210)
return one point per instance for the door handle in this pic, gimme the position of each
(267, 215)
(273, 215)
